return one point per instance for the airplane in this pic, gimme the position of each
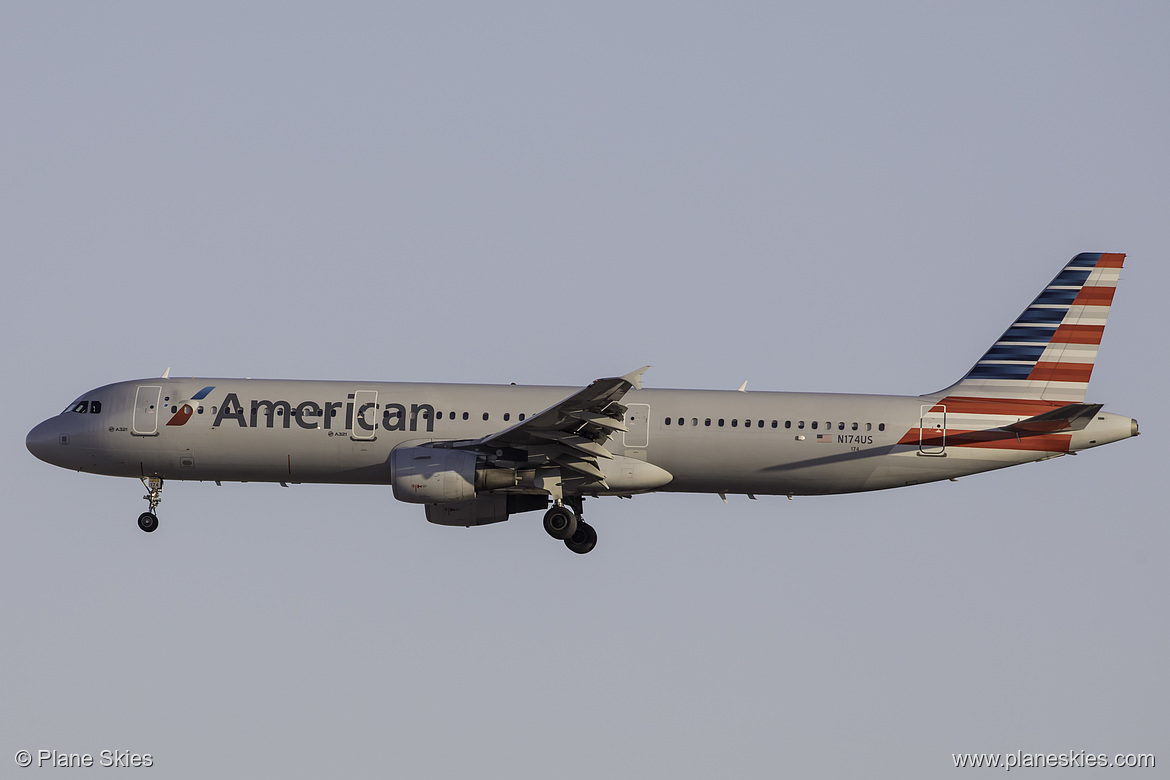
(476, 454)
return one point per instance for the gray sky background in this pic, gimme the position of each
(856, 197)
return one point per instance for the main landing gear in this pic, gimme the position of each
(564, 524)
(148, 521)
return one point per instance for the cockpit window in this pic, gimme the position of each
(95, 407)
(81, 407)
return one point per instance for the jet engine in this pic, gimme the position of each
(432, 475)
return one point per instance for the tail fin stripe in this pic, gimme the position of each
(1003, 351)
(1000, 371)
(1095, 296)
(1061, 296)
(1043, 315)
(1072, 277)
(1040, 334)
(1061, 372)
(1078, 334)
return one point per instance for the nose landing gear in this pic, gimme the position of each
(148, 521)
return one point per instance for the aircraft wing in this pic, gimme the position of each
(571, 433)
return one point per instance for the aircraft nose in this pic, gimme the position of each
(43, 440)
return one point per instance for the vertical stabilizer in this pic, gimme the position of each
(1048, 352)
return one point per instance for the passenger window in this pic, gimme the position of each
(775, 424)
(854, 426)
(720, 422)
(485, 416)
(840, 426)
(466, 415)
(668, 419)
(734, 423)
(521, 416)
(814, 425)
(707, 422)
(760, 424)
(869, 426)
(881, 426)
(800, 425)
(788, 423)
(507, 416)
(694, 421)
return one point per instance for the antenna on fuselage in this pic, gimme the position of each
(167, 373)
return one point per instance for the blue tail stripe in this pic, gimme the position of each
(1071, 278)
(1000, 371)
(1043, 315)
(1015, 352)
(1043, 335)
(1057, 297)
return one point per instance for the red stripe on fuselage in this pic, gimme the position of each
(990, 439)
(1008, 407)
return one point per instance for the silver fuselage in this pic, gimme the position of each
(296, 431)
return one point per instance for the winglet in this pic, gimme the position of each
(167, 373)
(635, 377)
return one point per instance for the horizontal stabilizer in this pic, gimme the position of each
(1073, 417)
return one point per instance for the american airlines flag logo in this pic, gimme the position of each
(184, 410)
(824, 438)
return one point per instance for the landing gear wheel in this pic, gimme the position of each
(147, 522)
(560, 522)
(583, 540)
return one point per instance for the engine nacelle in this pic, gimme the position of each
(485, 508)
(432, 475)
(488, 508)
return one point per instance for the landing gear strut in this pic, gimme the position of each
(148, 521)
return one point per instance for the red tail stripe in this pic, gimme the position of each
(1095, 296)
(1078, 334)
(1061, 372)
(1110, 260)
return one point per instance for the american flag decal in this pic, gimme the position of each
(824, 438)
